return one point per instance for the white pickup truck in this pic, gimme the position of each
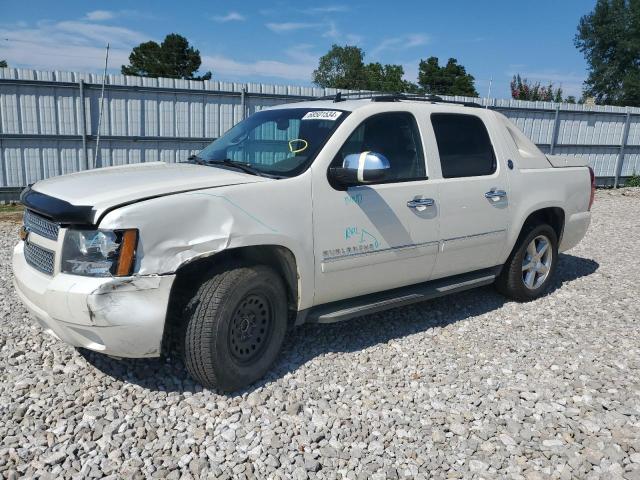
(309, 212)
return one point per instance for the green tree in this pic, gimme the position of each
(522, 89)
(609, 39)
(173, 58)
(341, 67)
(344, 67)
(3, 64)
(451, 79)
(387, 78)
(557, 96)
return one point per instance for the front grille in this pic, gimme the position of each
(40, 225)
(39, 258)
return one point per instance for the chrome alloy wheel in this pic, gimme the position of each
(536, 263)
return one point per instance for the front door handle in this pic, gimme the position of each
(495, 195)
(421, 202)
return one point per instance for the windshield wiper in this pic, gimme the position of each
(245, 167)
(196, 159)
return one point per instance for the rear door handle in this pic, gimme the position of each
(421, 202)
(495, 195)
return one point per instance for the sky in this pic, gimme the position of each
(281, 41)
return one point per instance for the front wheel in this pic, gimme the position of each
(236, 326)
(528, 271)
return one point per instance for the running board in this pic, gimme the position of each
(399, 297)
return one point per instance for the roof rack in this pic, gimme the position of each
(394, 97)
(343, 96)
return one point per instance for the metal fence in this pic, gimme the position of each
(49, 122)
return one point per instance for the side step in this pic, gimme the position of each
(399, 297)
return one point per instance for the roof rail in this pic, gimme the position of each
(394, 97)
(343, 96)
(421, 98)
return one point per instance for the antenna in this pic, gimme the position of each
(104, 79)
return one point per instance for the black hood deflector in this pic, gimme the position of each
(57, 210)
(65, 213)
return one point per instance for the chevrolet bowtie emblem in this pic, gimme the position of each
(24, 233)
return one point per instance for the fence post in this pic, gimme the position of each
(83, 127)
(623, 144)
(243, 102)
(556, 128)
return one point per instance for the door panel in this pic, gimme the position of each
(474, 194)
(473, 228)
(368, 240)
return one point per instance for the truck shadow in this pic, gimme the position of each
(309, 341)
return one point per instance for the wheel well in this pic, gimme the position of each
(554, 216)
(190, 275)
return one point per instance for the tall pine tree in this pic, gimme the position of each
(173, 58)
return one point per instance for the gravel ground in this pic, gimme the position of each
(469, 385)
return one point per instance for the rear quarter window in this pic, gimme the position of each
(464, 145)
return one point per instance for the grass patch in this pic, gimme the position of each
(633, 181)
(11, 212)
(11, 207)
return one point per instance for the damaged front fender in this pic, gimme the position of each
(175, 230)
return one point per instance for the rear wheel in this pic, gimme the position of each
(236, 326)
(527, 273)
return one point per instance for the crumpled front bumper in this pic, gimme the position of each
(122, 317)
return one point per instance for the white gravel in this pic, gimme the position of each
(469, 385)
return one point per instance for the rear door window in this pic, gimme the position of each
(464, 145)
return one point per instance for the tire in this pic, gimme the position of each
(237, 322)
(525, 285)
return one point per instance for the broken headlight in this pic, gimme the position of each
(99, 253)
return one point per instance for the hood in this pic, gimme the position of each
(100, 190)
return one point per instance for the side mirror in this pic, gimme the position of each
(361, 168)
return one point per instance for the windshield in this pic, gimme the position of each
(281, 142)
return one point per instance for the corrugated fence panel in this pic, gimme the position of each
(162, 119)
(118, 117)
(12, 156)
(634, 131)
(151, 118)
(134, 117)
(32, 167)
(66, 112)
(631, 164)
(29, 111)
(50, 162)
(577, 128)
(47, 113)
(167, 117)
(196, 120)
(9, 107)
(181, 107)
(602, 160)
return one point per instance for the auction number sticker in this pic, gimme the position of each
(331, 115)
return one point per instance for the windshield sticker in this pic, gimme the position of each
(298, 145)
(331, 115)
